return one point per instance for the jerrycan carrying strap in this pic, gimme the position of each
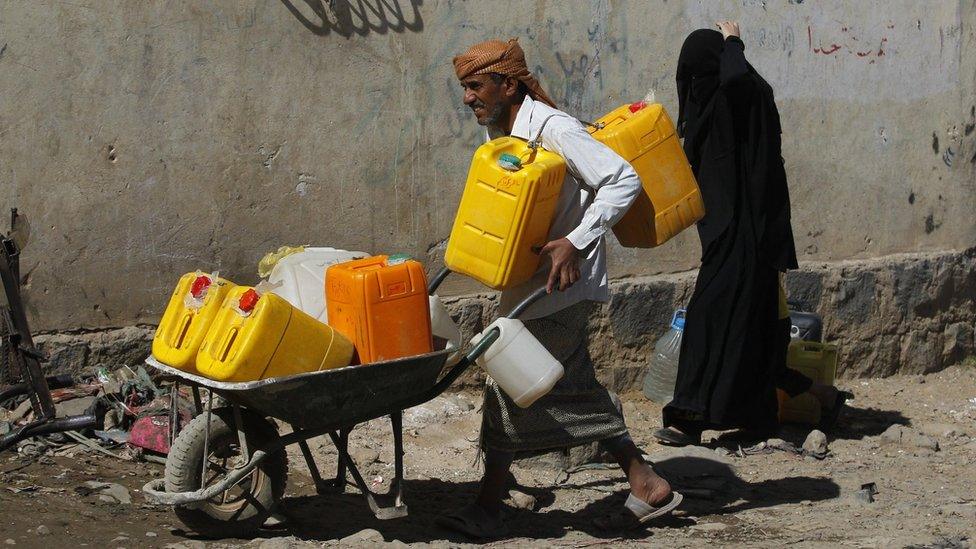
(534, 144)
(537, 142)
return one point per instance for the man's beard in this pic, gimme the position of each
(492, 118)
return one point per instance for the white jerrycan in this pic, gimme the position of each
(518, 363)
(442, 325)
(300, 278)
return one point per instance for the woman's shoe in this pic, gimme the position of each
(674, 437)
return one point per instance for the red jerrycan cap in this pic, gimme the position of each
(634, 107)
(248, 300)
(199, 287)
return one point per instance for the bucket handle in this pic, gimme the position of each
(812, 348)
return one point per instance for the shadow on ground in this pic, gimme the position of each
(334, 516)
(858, 423)
(853, 424)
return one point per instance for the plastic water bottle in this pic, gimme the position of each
(660, 378)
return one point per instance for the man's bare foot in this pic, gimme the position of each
(647, 486)
(650, 497)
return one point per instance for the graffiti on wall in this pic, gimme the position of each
(908, 51)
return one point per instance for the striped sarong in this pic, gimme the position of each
(577, 411)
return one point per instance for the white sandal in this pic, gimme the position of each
(644, 511)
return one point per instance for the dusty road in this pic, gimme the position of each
(924, 470)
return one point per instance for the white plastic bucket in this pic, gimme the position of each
(300, 278)
(442, 325)
(518, 363)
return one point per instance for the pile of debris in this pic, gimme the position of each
(136, 419)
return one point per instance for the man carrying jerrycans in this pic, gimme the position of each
(598, 188)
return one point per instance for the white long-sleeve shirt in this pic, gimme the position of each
(598, 188)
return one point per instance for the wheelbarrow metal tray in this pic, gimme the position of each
(330, 397)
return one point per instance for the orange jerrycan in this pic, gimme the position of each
(380, 303)
(817, 361)
(188, 316)
(257, 336)
(643, 134)
(507, 207)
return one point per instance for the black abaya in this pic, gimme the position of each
(729, 354)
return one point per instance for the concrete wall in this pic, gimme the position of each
(147, 139)
(906, 313)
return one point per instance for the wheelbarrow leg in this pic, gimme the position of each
(382, 512)
(174, 413)
(340, 480)
(206, 443)
(396, 489)
(341, 441)
(321, 487)
(197, 401)
(241, 439)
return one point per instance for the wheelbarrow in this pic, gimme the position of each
(227, 468)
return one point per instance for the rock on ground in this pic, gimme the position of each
(109, 492)
(362, 537)
(904, 436)
(816, 443)
(436, 410)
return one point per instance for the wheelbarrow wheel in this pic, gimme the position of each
(244, 507)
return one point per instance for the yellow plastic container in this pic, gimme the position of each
(670, 202)
(188, 316)
(504, 213)
(817, 361)
(258, 337)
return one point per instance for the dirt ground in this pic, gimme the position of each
(924, 472)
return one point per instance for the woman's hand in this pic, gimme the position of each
(728, 28)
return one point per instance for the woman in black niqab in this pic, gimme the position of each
(730, 362)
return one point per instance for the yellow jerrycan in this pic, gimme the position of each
(189, 314)
(817, 361)
(643, 134)
(258, 336)
(506, 209)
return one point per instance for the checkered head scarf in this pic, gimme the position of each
(506, 58)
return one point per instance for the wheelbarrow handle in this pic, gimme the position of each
(437, 280)
(481, 347)
(527, 302)
(461, 365)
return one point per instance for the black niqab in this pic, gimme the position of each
(698, 67)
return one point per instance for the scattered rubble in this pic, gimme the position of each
(134, 407)
(866, 493)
